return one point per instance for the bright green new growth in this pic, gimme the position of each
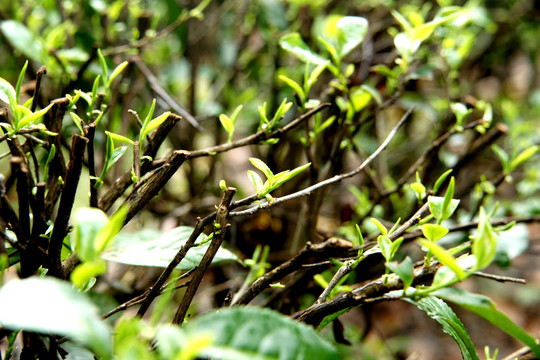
(272, 181)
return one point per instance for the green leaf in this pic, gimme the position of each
(404, 270)
(78, 121)
(259, 164)
(20, 81)
(32, 118)
(485, 308)
(154, 248)
(154, 123)
(380, 226)
(351, 32)
(281, 111)
(110, 230)
(444, 257)
(333, 53)
(523, 156)
(436, 207)
(84, 275)
(256, 181)
(7, 92)
(227, 124)
(285, 176)
(293, 85)
(294, 44)
(438, 310)
(51, 306)
(405, 24)
(314, 76)
(87, 225)
(22, 39)
(252, 333)
(115, 156)
(385, 245)
(484, 242)
(461, 111)
(434, 232)
(503, 157)
(116, 72)
(359, 98)
(440, 180)
(104, 67)
(119, 138)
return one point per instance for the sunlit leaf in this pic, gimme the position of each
(51, 306)
(293, 43)
(22, 39)
(153, 248)
(444, 257)
(351, 32)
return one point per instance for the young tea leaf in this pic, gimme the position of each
(484, 242)
(434, 232)
(440, 181)
(444, 257)
(20, 81)
(351, 32)
(293, 85)
(523, 156)
(404, 270)
(154, 123)
(259, 164)
(294, 44)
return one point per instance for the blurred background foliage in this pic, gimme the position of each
(229, 55)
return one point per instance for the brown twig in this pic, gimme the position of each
(164, 95)
(258, 136)
(154, 290)
(220, 228)
(42, 71)
(325, 250)
(142, 195)
(500, 278)
(335, 179)
(71, 182)
(370, 291)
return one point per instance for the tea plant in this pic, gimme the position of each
(359, 126)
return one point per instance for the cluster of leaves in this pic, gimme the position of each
(341, 112)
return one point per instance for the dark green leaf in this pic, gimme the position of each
(485, 308)
(438, 310)
(254, 333)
